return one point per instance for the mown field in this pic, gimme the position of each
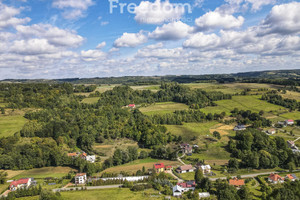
(163, 108)
(9, 125)
(90, 100)
(133, 166)
(252, 103)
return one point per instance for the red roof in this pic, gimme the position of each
(81, 174)
(131, 105)
(72, 154)
(290, 120)
(236, 182)
(19, 182)
(275, 177)
(289, 176)
(168, 167)
(188, 184)
(159, 165)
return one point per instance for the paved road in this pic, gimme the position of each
(87, 187)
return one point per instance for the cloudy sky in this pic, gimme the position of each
(100, 38)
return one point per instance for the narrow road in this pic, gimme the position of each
(179, 158)
(176, 177)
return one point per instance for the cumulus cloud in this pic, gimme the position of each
(72, 8)
(158, 12)
(32, 47)
(54, 35)
(130, 40)
(200, 40)
(92, 55)
(8, 17)
(283, 19)
(101, 45)
(258, 4)
(216, 20)
(159, 53)
(172, 31)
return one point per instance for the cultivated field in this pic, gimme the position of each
(163, 108)
(9, 125)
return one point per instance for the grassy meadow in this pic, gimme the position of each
(163, 108)
(90, 100)
(11, 124)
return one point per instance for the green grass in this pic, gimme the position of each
(252, 103)
(291, 115)
(90, 100)
(56, 172)
(188, 176)
(189, 130)
(115, 194)
(163, 108)
(9, 125)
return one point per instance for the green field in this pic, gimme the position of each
(252, 103)
(115, 194)
(9, 125)
(295, 115)
(189, 130)
(90, 100)
(163, 108)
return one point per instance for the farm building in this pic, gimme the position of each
(185, 169)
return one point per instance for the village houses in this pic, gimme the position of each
(185, 169)
(23, 183)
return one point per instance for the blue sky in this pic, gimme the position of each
(81, 38)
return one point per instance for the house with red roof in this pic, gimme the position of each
(183, 187)
(159, 167)
(289, 122)
(131, 106)
(236, 182)
(291, 177)
(275, 178)
(80, 178)
(21, 183)
(169, 167)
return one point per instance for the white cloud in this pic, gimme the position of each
(130, 40)
(258, 4)
(8, 19)
(101, 45)
(32, 47)
(283, 19)
(216, 20)
(200, 40)
(172, 31)
(92, 55)
(54, 35)
(157, 12)
(159, 53)
(104, 23)
(73, 8)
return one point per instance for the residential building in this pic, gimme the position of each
(239, 128)
(291, 177)
(183, 187)
(83, 155)
(289, 122)
(206, 169)
(271, 131)
(91, 158)
(168, 168)
(20, 184)
(80, 178)
(275, 178)
(131, 106)
(185, 169)
(186, 148)
(204, 195)
(236, 182)
(160, 167)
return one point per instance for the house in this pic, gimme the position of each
(80, 178)
(206, 169)
(271, 131)
(160, 167)
(91, 158)
(289, 122)
(183, 187)
(73, 155)
(291, 177)
(20, 184)
(236, 182)
(195, 146)
(185, 169)
(186, 148)
(275, 178)
(239, 128)
(168, 168)
(83, 155)
(131, 106)
(204, 195)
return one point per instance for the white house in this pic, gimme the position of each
(206, 169)
(271, 131)
(289, 122)
(91, 159)
(275, 178)
(204, 195)
(80, 178)
(21, 183)
(185, 169)
(183, 187)
(177, 191)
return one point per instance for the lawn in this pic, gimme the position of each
(115, 194)
(90, 100)
(188, 176)
(133, 166)
(252, 103)
(9, 125)
(163, 108)
(190, 130)
(295, 115)
(44, 172)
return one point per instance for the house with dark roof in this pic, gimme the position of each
(185, 169)
(239, 127)
(236, 182)
(275, 178)
(186, 148)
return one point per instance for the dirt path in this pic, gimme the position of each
(176, 177)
